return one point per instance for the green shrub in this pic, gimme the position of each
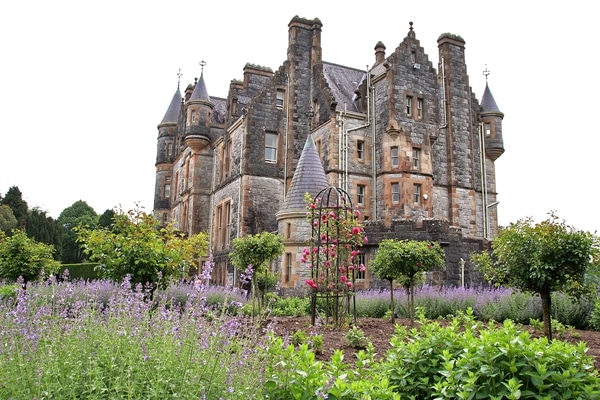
(291, 306)
(356, 338)
(9, 292)
(84, 271)
(467, 359)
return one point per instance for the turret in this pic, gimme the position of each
(491, 122)
(198, 116)
(165, 153)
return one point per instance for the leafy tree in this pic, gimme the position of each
(7, 219)
(405, 261)
(135, 246)
(252, 253)
(540, 258)
(106, 219)
(43, 228)
(80, 213)
(23, 257)
(14, 199)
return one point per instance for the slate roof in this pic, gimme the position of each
(488, 104)
(343, 82)
(309, 177)
(200, 92)
(172, 113)
(219, 109)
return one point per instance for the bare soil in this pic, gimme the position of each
(379, 332)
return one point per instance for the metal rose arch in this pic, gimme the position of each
(333, 254)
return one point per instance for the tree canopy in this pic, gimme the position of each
(405, 261)
(135, 245)
(14, 199)
(7, 219)
(78, 214)
(23, 257)
(540, 258)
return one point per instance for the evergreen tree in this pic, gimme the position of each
(7, 219)
(14, 199)
(44, 229)
(106, 220)
(80, 213)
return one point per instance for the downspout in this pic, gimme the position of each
(483, 182)
(445, 122)
(285, 158)
(373, 155)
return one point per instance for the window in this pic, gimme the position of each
(165, 218)
(271, 147)
(488, 129)
(360, 149)
(219, 227)
(288, 265)
(279, 101)
(167, 191)
(169, 149)
(394, 156)
(416, 158)
(288, 230)
(416, 193)
(419, 108)
(409, 101)
(167, 179)
(360, 271)
(227, 223)
(194, 116)
(395, 192)
(360, 194)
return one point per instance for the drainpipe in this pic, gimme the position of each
(285, 158)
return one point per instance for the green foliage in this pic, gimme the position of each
(405, 261)
(541, 258)
(356, 338)
(106, 219)
(313, 341)
(85, 271)
(44, 229)
(14, 199)
(8, 292)
(136, 246)
(7, 219)
(79, 214)
(291, 306)
(294, 373)
(256, 250)
(21, 256)
(468, 360)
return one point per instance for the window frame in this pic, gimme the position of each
(420, 110)
(416, 158)
(271, 146)
(280, 99)
(360, 194)
(395, 194)
(360, 149)
(394, 149)
(417, 193)
(361, 275)
(409, 105)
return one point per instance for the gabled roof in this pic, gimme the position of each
(343, 82)
(309, 177)
(174, 109)
(488, 104)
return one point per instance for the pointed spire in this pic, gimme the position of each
(172, 114)
(309, 177)
(488, 104)
(200, 92)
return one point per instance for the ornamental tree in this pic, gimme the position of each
(540, 258)
(405, 261)
(135, 245)
(252, 254)
(23, 257)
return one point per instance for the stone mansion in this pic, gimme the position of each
(408, 141)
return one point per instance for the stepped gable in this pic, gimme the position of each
(309, 177)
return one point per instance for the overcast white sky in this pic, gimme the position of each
(83, 85)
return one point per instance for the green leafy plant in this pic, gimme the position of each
(356, 338)
(23, 257)
(405, 261)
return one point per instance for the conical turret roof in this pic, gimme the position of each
(488, 104)
(309, 177)
(174, 109)
(200, 92)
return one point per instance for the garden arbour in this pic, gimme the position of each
(333, 253)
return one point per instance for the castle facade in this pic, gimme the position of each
(409, 142)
